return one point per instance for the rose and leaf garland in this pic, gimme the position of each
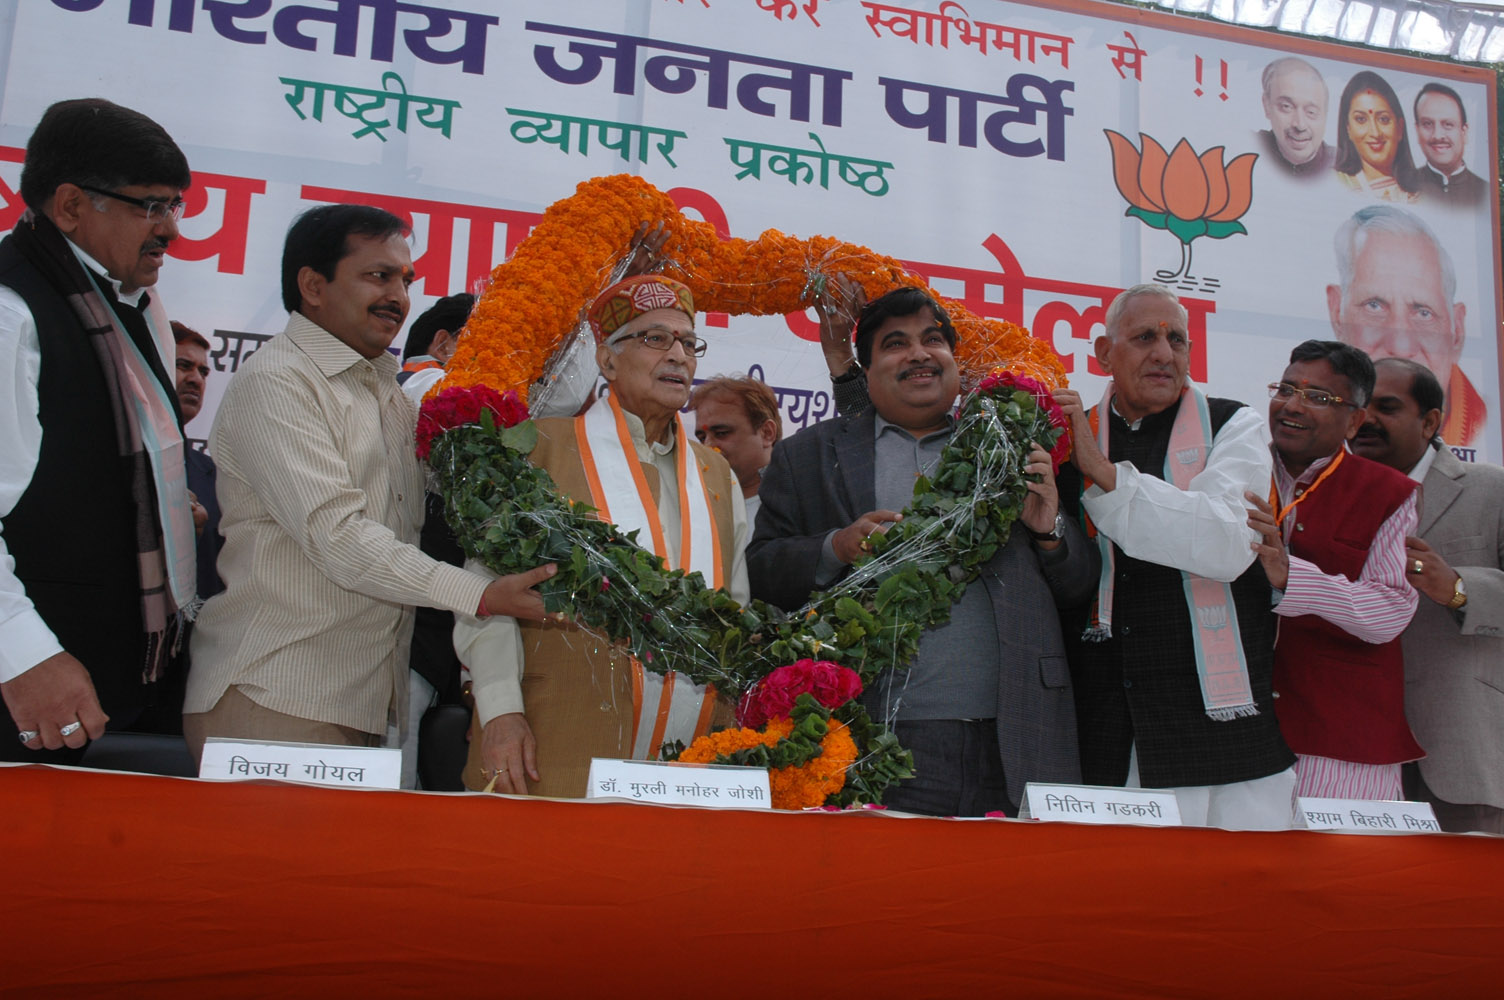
(509, 515)
(819, 744)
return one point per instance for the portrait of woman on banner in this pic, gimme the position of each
(1373, 150)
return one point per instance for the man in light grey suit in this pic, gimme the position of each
(1454, 649)
(986, 704)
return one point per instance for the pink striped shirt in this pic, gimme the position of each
(1378, 605)
(1325, 778)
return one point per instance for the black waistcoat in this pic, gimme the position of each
(1141, 685)
(72, 533)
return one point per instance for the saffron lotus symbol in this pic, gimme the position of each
(1189, 195)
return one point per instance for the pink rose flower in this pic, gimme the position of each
(773, 697)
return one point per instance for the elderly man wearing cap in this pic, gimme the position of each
(548, 698)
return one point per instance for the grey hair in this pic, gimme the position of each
(1354, 232)
(1115, 310)
(1279, 66)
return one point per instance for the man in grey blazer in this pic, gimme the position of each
(986, 704)
(1454, 649)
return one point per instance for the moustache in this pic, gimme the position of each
(920, 369)
(154, 244)
(1372, 432)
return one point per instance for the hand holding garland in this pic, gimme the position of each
(855, 540)
(839, 302)
(1086, 454)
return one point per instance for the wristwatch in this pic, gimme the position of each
(1056, 533)
(1459, 595)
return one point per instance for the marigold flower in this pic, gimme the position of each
(538, 298)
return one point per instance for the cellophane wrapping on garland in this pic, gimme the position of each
(508, 514)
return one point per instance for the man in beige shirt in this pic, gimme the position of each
(548, 697)
(321, 500)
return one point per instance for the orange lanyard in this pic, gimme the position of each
(1282, 512)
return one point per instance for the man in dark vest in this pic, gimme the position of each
(1172, 661)
(1333, 547)
(96, 555)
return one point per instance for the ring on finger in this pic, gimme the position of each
(27, 735)
(1416, 566)
(70, 728)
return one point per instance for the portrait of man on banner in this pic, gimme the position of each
(1396, 297)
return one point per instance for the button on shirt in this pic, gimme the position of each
(954, 673)
(321, 500)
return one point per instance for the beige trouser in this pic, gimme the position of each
(237, 717)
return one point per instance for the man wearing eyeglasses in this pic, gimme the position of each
(97, 555)
(548, 698)
(1172, 662)
(1332, 542)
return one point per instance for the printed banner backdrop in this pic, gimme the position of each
(975, 142)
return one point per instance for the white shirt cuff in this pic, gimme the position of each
(25, 641)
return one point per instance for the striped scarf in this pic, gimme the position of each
(147, 433)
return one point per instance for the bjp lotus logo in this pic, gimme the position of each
(1189, 195)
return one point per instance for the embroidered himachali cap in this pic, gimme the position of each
(630, 298)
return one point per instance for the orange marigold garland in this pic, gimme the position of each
(811, 751)
(535, 305)
(538, 297)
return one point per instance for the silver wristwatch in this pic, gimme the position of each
(1055, 534)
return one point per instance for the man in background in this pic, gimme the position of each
(1454, 647)
(739, 418)
(1295, 102)
(192, 375)
(1396, 297)
(1441, 127)
(431, 341)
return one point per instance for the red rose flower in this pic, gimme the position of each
(457, 407)
(1001, 379)
(773, 697)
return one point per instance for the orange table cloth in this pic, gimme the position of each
(128, 885)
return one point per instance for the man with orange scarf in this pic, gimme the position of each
(548, 697)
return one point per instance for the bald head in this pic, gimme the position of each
(1295, 102)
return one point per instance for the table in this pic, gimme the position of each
(130, 885)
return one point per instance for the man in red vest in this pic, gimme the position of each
(1333, 546)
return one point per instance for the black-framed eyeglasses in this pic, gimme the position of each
(662, 340)
(157, 210)
(1315, 398)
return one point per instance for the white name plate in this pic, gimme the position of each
(320, 764)
(1099, 804)
(716, 785)
(1366, 815)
